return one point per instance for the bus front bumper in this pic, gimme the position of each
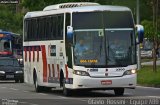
(86, 82)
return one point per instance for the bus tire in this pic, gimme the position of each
(37, 87)
(22, 80)
(16, 80)
(66, 92)
(119, 91)
(47, 89)
(61, 78)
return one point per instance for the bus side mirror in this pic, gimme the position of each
(70, 34)
(140, 31)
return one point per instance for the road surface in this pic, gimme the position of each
(24, 94)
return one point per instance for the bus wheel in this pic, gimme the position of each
(66, 92)
(37, 87)
(21, 80)
(119, 91)
(16, 80)
(47, 89)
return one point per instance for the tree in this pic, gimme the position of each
(9, 20)
(152, 29)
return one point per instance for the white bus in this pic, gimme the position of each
(51, 56)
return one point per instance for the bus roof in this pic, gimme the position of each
(53, 9)
(69, 5)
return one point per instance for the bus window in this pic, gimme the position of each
(6, 46)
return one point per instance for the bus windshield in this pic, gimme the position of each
(89, 48)
(104, 39)
(121, 49)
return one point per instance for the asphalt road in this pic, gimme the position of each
(23, 94)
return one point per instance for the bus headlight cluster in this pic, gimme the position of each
(2, 72)
(129, 72)
(81, 73)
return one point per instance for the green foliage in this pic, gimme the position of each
(147, 77)
(149, 29)
(9, 20)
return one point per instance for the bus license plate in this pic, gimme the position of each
(106, 82)
(9, 76)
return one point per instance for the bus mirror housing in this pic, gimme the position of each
(70, 34)
(140, 32)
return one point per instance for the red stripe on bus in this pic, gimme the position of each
(37, 54)
(33, 54)
(66, 71)
(58, 70)
(53, 72)
(25, 51)
(49, 68)
(29, 54)
(44, 60)
(5, 52)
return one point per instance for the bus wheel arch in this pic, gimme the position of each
(35, 81)
(34, 75)
(66, 91)
(61, 78)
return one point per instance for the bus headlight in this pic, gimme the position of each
(129, 72)
(2, 72)
(81, 73)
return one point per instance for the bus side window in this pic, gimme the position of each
(6, 46)
(25, 30)
(48, 36)
(60, 27)
(53, 27)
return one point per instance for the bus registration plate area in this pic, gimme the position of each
(106, 82)
(9, 76)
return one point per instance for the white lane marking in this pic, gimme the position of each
(27, 103)
(13, 89)
(32, 104)
(42, 93)
(154, 97)
(84, 100)
(26, 91)
(22, 102)
(62, 97)
(148, 87)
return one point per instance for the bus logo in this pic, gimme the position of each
(120, 69)
(93, 70)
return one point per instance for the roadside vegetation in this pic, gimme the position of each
(146, 76)
(146, 60)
